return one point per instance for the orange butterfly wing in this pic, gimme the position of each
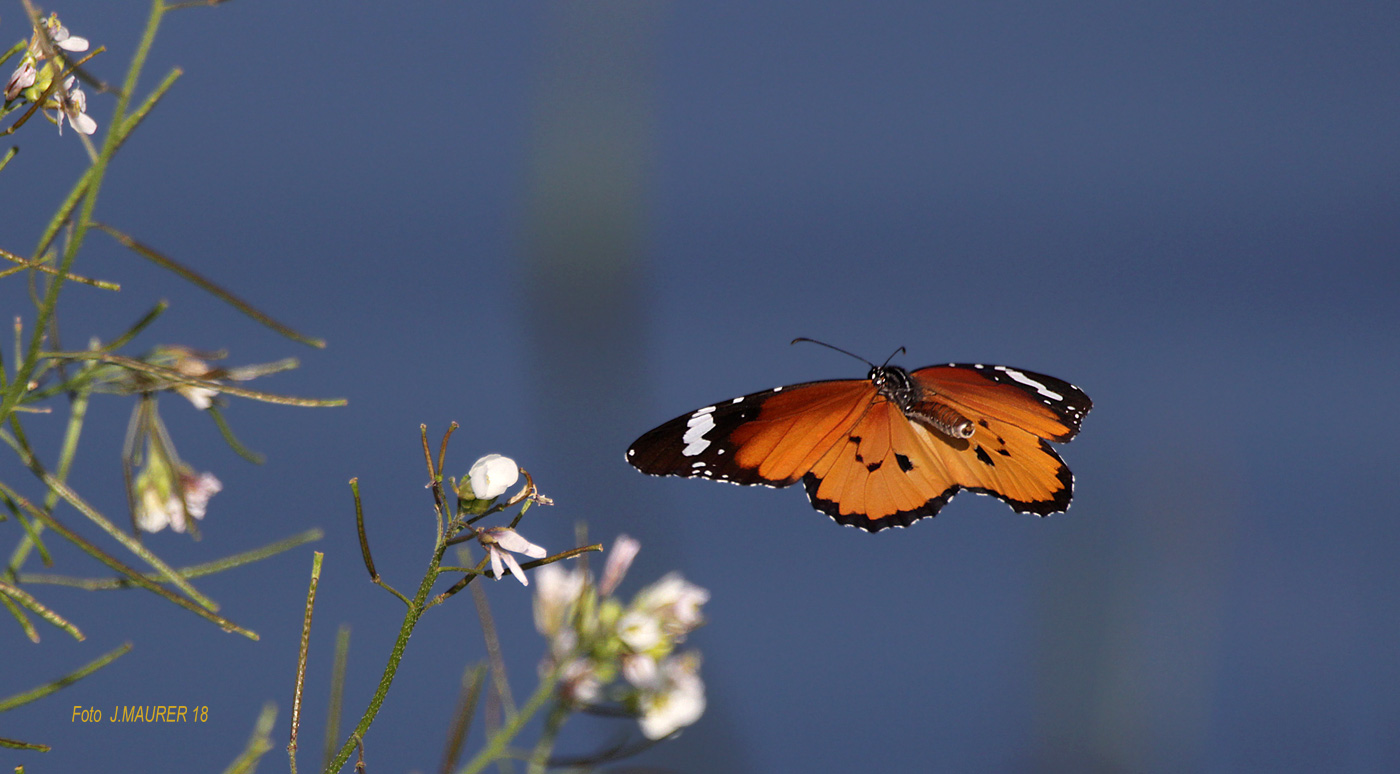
(770, 438)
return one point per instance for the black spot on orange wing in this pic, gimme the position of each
(982, 455)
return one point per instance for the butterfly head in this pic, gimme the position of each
(894, 383)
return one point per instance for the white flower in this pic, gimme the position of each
(22, 78)
(639, 630)
(159, 505)
(155, 512)
(556, 593)
(198, 490)
(677, 701)
(675, 602)
(62, 38)
(500, 542)
(578, 682)
(640, 670)
(620, 558)
(74, 105)
(492, 475)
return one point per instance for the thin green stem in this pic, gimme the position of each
(539, 757)
(497, 746)
(77, 412)
(34, 694)
(192, 571)
(336, 703)
(301, 656)
(410, 620)
(27, 600)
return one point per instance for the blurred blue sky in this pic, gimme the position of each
(561, 224)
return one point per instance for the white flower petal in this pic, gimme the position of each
(680, 704)
(514, 569)
(151, 515)
(640, 631)
(72, 42)
(492, 475)
(620, 558)
(511, 540)
(496, 555)
(83, 123)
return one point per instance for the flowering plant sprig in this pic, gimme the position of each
(41, 65)
(478, 495)
(595, 638)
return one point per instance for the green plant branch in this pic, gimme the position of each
(316, 558)
(25, 263)
(496, 747)
(259, 744)
(193, 571)
(173, 376)
(77, 414)
(27, 600)
(336, 702)
(136, 577)
(208, 285)
(131, 544)
(410, 620)
(34, 694)
(24, 622)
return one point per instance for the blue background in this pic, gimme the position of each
(561, 224)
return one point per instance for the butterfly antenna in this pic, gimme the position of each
(899, 351)
(838, 349)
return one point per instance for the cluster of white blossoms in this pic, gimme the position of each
(36, 72)
(594, 639)
(166, 496)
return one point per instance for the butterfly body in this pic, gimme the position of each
(888, 449)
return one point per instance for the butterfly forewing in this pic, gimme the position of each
(1048, 407)
(770, 437)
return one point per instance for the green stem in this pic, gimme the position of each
(410, 620)
(76, 414)
(539, 757)
(497, 746)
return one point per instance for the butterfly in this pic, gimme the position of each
(889, 449)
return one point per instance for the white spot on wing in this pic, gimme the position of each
(700, 423)
(1029, 382)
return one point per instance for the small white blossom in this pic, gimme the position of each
(678, 701)
(159, 505)
(676, 603)
(557, 591)
(74, 105)
(620, 558)
(640, 670)
(639, 630)
(492, 475)
(62, 38)
(22, 78)
(188, 365)
(198, 490)
(500, 543)
(579, 683)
